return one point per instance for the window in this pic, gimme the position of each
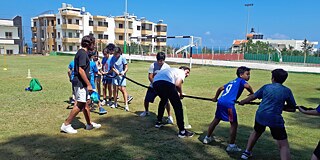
(58, 21)
(99, 23)
(70, 48)
(105, 24)
(52, 22)
(69, 21)
(59, 37)
(90, 22)
(77, 21)
(100, 36)
(138, 28)
(53, 48)
(120, 25)
(8, 35)
(52, 35)
(59, 47)
(120, 37)
(9, 51)
(77, 35)
(70, 35)
(34, 24)
(105, 36)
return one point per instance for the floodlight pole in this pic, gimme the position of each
(248, 6)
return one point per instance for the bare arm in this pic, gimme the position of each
(218, 92)
(249, 88)
(248, 99)
(309, 112)
(179, 87)
(150, 77)
(85, 78)
(69, 73)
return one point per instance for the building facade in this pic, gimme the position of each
(11, 40)
(63, 31)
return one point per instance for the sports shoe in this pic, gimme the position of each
(68, 129)
(185, 133)
(130, 98)
(109, 103)
(126, 108)
(207, 140)
(158, 124)
(114, 105)
(103, 102)
(246, 155)
(170, 120)
(235, 148)
(102, 111)
(92, 125)
(144, 113)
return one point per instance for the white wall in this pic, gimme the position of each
(6, 22)
(12, 29)
(13, 47)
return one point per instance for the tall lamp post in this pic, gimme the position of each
(125, 28)
(248, 6)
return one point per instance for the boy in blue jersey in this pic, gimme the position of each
(93, 71)
(226, 110)
(71, 75)
(314, 112)
(107, 73)
(274, 96)
(119, 66)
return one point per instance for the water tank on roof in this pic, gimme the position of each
(64, 5)
(160, 21)
(83, 9)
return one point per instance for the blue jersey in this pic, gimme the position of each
(118, 63)
(71, 67)
(232, 92)
(106, 64)
(273, 97)
(93, 71)
(318, 109)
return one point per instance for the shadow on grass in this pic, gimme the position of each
(128, 136)
(313, 100)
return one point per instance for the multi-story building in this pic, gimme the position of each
(71, 24)
(11, 40)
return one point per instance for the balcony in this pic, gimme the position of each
(71, 14)
(122, 19)
(161, 33)
(51, 41)
(121, 30)
(34, 40)
(101, 41)
(71, 40)
(99, 17)
(99, 28)
(161, 44)
(34, 29)
(119, 42)
(146, 43)
(146, 32)
(70, 26)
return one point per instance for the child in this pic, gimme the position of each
(226, 110)
(98, 75)
(274, 96)
(107, 81)
(314, 112)
(93, 72)
(71, 75)
(119, 67)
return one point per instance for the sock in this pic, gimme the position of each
(232, 145)
(183, 132)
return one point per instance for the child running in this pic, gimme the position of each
(274, 96)
(226, 110)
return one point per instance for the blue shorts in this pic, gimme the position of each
(119, 81)
(106, 80)
(151, 95)
(226, 113)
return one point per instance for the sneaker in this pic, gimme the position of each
(207, 140)
(170, 120)
(72, 101)
(113, 105)
(102, 111)
(235, 148)
(185, 133)
(130, 98)
(68, 129)
(103, 102)
(109, 103)
(144, 113)
(158, 124)
(126, 108)
(93, 125)
(246, 155)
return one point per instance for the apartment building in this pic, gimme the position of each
(11, 40)
(71, 24)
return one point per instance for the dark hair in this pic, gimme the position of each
(279, 75)
(117, 50)
(161, 56)
(105, 50)
(87, 40)
(184, 68)
(110, 47)
(241, 70)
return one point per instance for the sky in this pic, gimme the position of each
(217, 22)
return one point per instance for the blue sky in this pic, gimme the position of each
(218, 22)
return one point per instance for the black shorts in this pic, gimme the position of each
(277, 133)
(317, 151)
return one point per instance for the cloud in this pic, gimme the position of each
(279, 36)
(207, 33)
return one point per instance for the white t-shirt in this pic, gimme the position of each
(170, 75)
(155, 68)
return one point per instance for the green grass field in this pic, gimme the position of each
(30, 121)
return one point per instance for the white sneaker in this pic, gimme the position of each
(235, 148)
(103, 102)
(207, 140)
(170, 120)
(93, 125)
(114, 105)
(127, 108)
(68, 129)
(144, 113)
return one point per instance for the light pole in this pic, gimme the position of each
(248, 6)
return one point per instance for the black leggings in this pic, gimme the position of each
(167, 91)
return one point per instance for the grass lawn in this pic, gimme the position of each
(30, 122)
